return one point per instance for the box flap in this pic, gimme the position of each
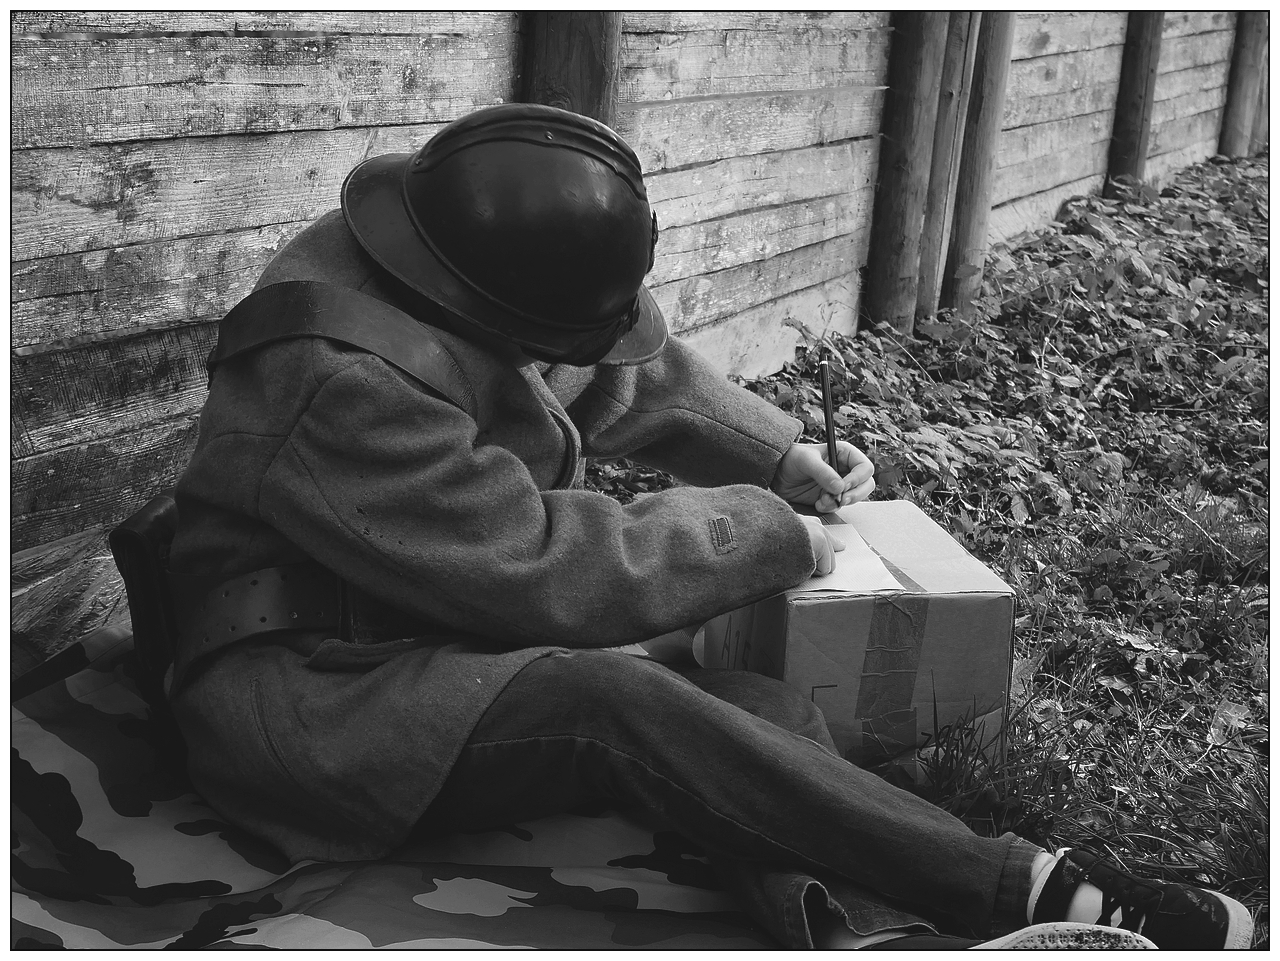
(909, 540)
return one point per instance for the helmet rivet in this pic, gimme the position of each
(549, 137)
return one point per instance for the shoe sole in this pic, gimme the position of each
(1067, 936)
(1239, 925)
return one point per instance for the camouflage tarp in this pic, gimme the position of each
(112, 849)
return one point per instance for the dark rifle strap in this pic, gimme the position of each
(306, 308)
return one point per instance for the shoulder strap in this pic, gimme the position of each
(305, 308)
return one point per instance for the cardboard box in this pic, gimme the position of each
(908, 621)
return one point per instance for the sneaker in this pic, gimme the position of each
(1171, 915)
(1067, 936)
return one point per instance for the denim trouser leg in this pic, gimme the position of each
(777, 809)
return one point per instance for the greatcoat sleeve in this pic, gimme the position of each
(391, 488)
(677, 413)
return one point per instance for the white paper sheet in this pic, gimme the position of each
(859, 569)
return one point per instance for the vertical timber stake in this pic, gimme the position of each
(982, 126)
(1261, 117)
(1242, 87)
(910, 110)
(570, 60)
(953, 102)
(1135, 98)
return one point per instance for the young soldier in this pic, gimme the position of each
(407, 599)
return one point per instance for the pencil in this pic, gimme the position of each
(829, 414)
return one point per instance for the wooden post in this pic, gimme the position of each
(1135, 98)
(910, 110)
(1261, 116)
(1242, 87)
(953, 102)
(570, 60)
(968, 253)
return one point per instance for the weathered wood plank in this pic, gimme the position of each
(406, 23)
(58, 593)
(1042, 173)
(667, 135)
(1054, 75)
(759, 341)
(1182, 53)
(764, 180)
(1042, 34)
(96, 484)
(673, 66)
(681, 21)
(1090, 99)
(70, 397)
(1209, 77)
(1189, 104)
(1248, 61)
(706, 298)
(1186, 132)
(1059, 136)
(1030, 212)
(1202, 21)
(715, 245)
(1163, 168)
(67, 200)
(57, 302)
(78, 92)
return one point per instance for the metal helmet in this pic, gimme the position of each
(529, 224)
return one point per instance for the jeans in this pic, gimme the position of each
(743, 766)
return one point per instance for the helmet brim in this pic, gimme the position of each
(373, 205)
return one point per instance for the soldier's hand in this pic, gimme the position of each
(824, 544)
(805, 477)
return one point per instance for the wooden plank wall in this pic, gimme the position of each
(158, 161)
(758, 133)
(1058, 115)
(1191, 91)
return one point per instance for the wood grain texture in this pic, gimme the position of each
(975, 182)
(770, 179)
(740, 238)
(684, 133)
(1197, 50)
(1055, 75)
(760, 340)
(72, 397)
(679, 21)
(1244, 83)
(1163, 168)
(1211, 76)
(57, 302)
(906, 154)
(570, 60)
(95, 484)
(80, 92)
(1037, 210)
(161, 22)
(1021, 144)
(1189, 104)
(1049, 170)
(1043, 34)
(953, 103)
(68, 200)
(1186, 132)
(674, 66)
(59, 592)
(1202, 21)
(706, 298)
(1061, 106)
(1135, 97)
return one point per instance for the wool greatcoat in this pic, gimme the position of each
(468, 544)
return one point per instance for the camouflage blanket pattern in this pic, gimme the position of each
(113, 849)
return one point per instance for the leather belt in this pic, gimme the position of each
(294, 597)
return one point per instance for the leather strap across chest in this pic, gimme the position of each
(305, 308)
